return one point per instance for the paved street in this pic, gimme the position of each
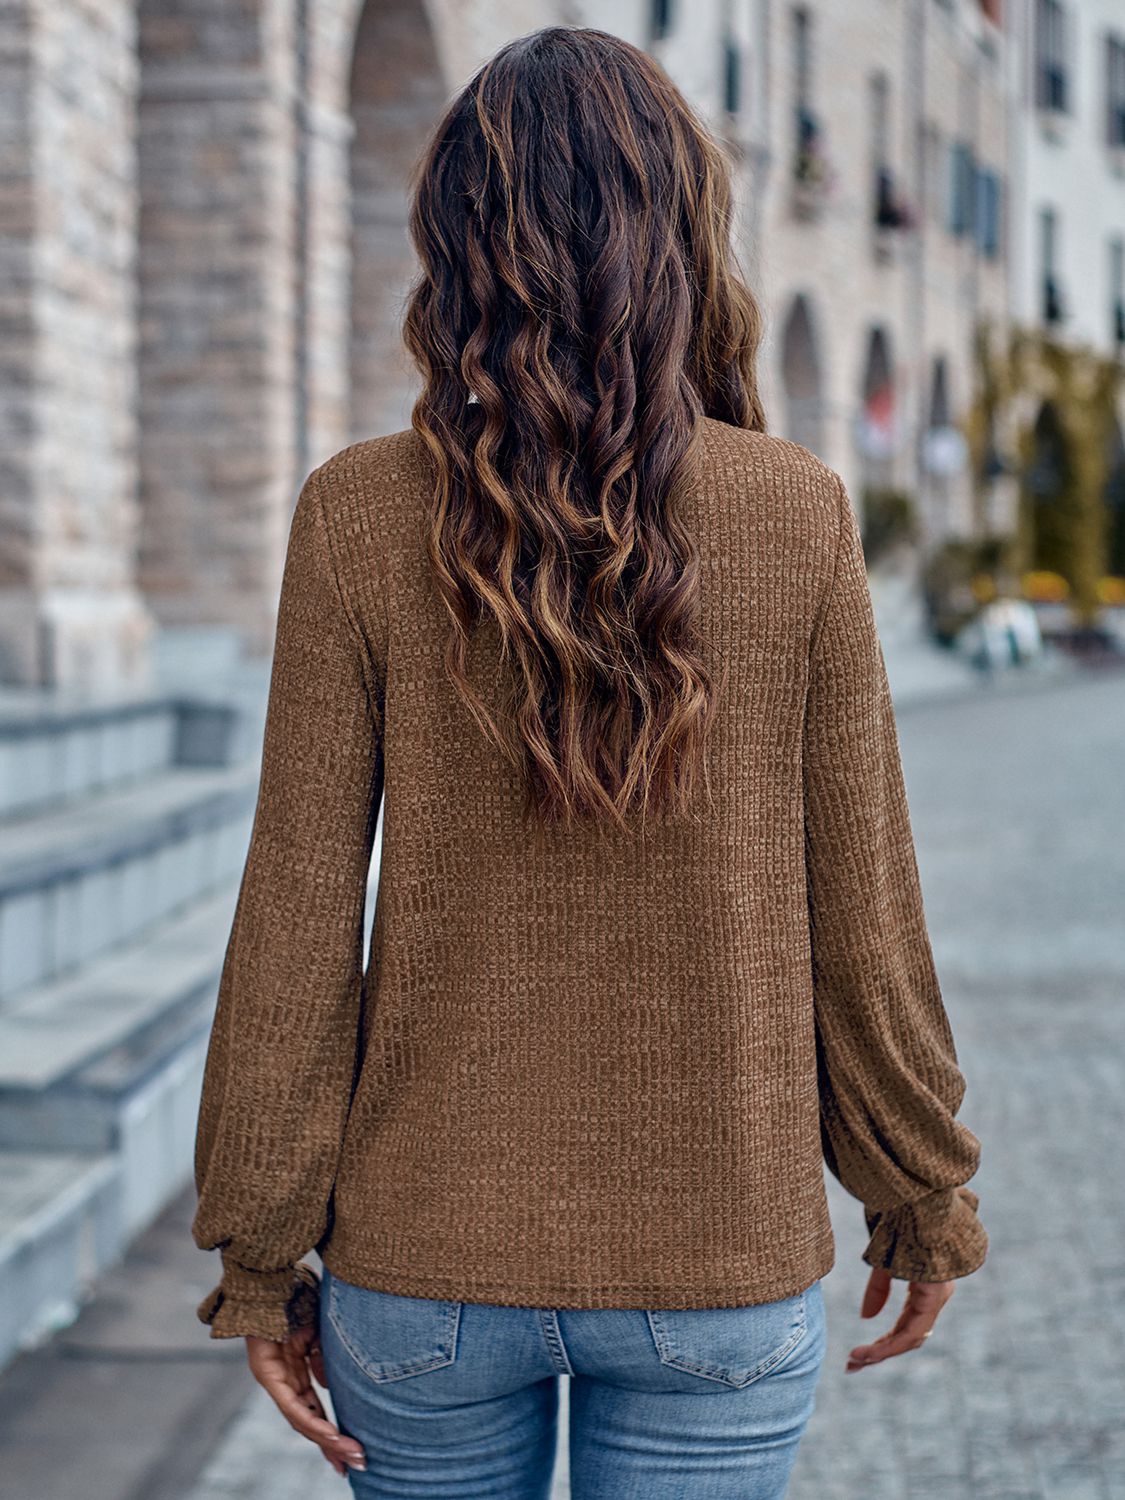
(1018, 805)
(1018, 802)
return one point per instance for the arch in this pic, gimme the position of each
(396, 92)
(944, 454)
(801, 376)
(1115, 504)
(878, 422)
(939, 408)
(1048, 481)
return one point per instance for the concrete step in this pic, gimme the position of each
(58, 747)
(99, 1094)
(60, 1227)
(61, 1041)
(81, 880)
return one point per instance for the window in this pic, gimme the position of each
(886, 208)
(810, 166)
(802, 53)
(1048, 257)
(661, 19)
(975, 202)
(1051, 88)
(988, 213)
(962, 185)
(933, 156)
(1117, 293)
(880, 117)
(1115, 90)
(732, 76)
(802, 79)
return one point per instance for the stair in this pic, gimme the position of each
(124, 826)
(59, 1228)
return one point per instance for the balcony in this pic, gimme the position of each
(893, 217)
(1052, 98)
(811, 182)
(1054, 308)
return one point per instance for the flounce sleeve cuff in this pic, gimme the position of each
(261, 1304)
(935, 1238)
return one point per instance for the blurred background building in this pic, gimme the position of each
(203, 259)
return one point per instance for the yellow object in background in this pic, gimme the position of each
(1044, 586)
(983, 586)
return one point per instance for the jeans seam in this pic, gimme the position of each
(552, 1335)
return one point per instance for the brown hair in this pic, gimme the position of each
(578, 311)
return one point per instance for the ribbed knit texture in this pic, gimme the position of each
(590, 1069)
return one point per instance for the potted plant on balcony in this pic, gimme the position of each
(812, 173)
(892, 215)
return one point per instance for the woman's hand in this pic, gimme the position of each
(286, 1371)
(924, 1300)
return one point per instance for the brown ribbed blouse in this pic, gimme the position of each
(592, 1069)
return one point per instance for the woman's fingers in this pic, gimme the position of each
(282, 1370)
(924, 1301)
(876, 1294)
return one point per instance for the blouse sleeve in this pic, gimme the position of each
(279, 1071)
(890, 1085)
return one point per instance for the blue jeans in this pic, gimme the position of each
(461, 1398)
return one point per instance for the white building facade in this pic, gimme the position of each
(1068, 161)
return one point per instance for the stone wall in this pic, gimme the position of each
(69, 608)
(218, 444)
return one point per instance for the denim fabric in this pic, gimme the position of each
(460, 1399)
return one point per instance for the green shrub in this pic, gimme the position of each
(889, 520)
(951, 580)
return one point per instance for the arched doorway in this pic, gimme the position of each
(944, 453)
(939, 393)
(801, 377)
(1048, 483)
(396, 93)
(1115, 505)
(878, 419)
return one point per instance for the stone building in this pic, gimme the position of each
(879, 201)
(1068, 152)
(1058, 383)
(205, 259)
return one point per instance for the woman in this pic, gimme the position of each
(649, 942)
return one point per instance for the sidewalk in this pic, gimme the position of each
(127, 1402)
(921, 671)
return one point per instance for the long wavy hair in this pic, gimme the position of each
(579, 309)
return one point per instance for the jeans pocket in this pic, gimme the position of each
(391, 1337)
(732, 1345)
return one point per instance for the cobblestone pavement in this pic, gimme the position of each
(1018, 804)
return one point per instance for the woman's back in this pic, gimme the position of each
(589, 1064)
